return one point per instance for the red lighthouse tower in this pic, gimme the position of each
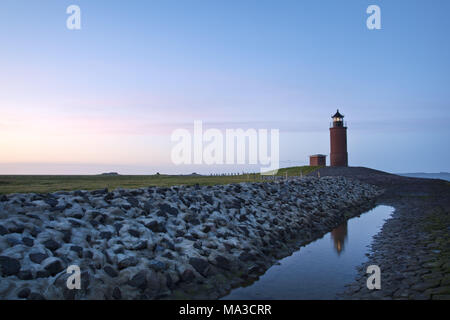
(338, 142)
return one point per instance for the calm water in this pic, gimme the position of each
(441, 175)
(322, 268)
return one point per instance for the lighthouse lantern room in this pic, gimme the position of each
(338, 141)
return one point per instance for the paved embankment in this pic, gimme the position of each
(413, 247)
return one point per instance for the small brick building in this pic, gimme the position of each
(317, 160)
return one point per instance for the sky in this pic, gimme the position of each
(107, 97)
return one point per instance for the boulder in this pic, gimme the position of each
(110, 271)
(127, 262)
(51, 245)
(53, 265)
(9, 266)
(139, 280)
(200, 265)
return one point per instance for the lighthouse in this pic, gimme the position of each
(338, 141)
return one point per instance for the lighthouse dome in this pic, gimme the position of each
(337, 115)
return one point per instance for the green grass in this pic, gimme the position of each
(295, 171)
(45, 184)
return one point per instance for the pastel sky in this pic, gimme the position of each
(108, 96)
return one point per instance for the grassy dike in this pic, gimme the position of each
(51, 183)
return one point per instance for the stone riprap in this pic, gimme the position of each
(154, 243)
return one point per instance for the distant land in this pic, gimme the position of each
(440, 175)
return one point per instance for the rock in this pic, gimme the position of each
(155, 226)
(119, 250)
(42, 274)
(28, 241)
(162, 190)
(223, 262)
(110, 271)
(127, 262)
(133, 201)
(147, 207)
(165, 208)
(51, 201)
(35, 231)
(427, 284)
(67, 236)
(85, 279)
(36, 296)
(190, 237)
(192, 219)
(141, 245)
(245, 256)
(168, 255)
(118, 226)
(179, 233)
(53, 266)
(105, 235)
(157, 265)
(108, 196)
(76, 212)
(208, 199)
(3, 230)
(23, 293)
(139, 280)
(79, 193)
(25, 275)
(254, 269)
(9, 266)
(197, 245)
(77, 249)
(88, 254)
(169, 282)
(15, 228)
(200, 265)
(160, 213)
(158, 249)
(168, 244)
(134, 233)
(52, 245)
(116, 294)
(187, 275)
(13, 241)
(38, 257)
(75, 223)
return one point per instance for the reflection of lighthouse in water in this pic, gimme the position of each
(339, 236)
